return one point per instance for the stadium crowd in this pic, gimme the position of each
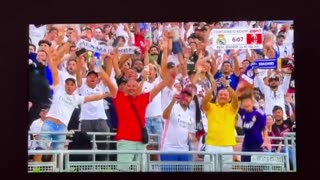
(165, 78)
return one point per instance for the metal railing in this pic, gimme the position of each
(214, 162)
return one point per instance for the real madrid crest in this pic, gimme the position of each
(250, 73)
(254, 118)
(221, 40)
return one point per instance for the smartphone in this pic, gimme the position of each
(80, 51)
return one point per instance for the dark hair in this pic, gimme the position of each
(70, 79)
(69, 28)
(34, 47)
(275, 108)
(153, 46)
(192, 36)
(121, 37)
(226, 62)
(246, 60)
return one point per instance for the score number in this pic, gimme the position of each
(238, 39)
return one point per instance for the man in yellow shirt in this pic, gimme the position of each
(221, 120)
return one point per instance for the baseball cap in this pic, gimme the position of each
(186, 91)
(44, 42)
(92, 72)
(171, 65)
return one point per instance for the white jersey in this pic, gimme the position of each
(177, 129)
(167, 96)
(154, 107)
(63, 104)
(92, 110)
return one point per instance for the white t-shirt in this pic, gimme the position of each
(177, 129)
(166, 96)
(289, 38)
(63, 104)
(37, 34)
(92, 110)
(183, 31)
(154, 107)
(274, 98)
(283, 50)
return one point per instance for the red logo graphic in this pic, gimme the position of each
(254, 38)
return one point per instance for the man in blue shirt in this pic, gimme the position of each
(253, 123)
(231, 75)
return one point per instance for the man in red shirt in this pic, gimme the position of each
(129, 135)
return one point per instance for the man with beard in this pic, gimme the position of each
(153, 54)
(221, 116)
(180, 127)
(274, 92)
(280, 127)
(138, 66)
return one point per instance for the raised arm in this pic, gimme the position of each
(127, 30)
(144, 76)
(183, 64)
(286, 81)
(78, 72)
(167, 112)
(234, 57)
(96, 97)
(214, 66)
(107, 82)
(108, 62)
(146, 54)
(164, 61)
(208, 96)
(158, 88)
(260, 83)
(53, 65)
(234, 101)
(115, 62)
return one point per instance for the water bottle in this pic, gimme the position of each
(97, 63)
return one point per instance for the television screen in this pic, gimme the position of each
(162, 97)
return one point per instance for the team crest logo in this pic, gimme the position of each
(254, 118)
(250, 73)
(221, 40)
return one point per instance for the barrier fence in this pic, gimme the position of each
(143, 163)
(259, 161)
